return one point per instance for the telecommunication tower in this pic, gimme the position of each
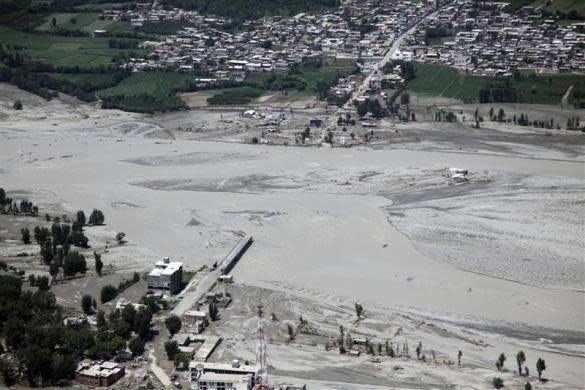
(262, 375)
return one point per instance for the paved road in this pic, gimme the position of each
(195, 291)
(361, 90)
(158, 371)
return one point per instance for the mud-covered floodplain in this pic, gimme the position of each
(501, 254)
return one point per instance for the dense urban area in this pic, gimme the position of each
(272, 194)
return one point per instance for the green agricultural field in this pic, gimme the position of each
(577, 96)
(103, 6)
(146, 92)
(60, 50)
(95, 80)
(235, 96)
(439, 80)
(85, 21)
(164, 27)
(156, 84)
(330, 69)
(566, 6)
(438, 41)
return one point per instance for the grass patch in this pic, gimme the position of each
(438, 41)
(439, 80)
(165, 27)
(64, 51)
(103, 6)
(577, 96)
(146, 92)
(187, 276)
(158, 84)
(87, 81)
(235, 96)
(566, 6)
(301, 82)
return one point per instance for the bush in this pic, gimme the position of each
(171, 348)
(173, 324)
(17, 105)
(136, 346)
(86, 302)
(498, 382)
(96, 217)
(108, 293)
(25, 235)
(238, 96)
(74, 263)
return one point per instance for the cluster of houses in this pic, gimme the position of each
(357, 29)
(488, 41)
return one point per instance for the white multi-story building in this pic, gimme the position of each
(221, 376)
(167, 276)
(214, 381)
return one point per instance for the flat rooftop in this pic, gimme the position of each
(165, 268)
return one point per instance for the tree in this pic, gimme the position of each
(173, 324)
(142, 323)
(501, 115)
(362, 109)
(25, 235)
(74, 263)
(17, 105)
(129, 314)
(81, 218)
(182, 360)
(459, 355)
(498, 382)
(136, 346)
(54, 22)
(108, 293)
(322, 88)
(500, 362)
(96, 217)
(120, 237)
(9, 372)
(359, 310)
(375, 108)
(405, 99)
(291, 332)
(418, 350)
(86, 301)
(171, 348)
(527, 386)
(43, 283)
(540, 367)
(520, 359)
(98, 263)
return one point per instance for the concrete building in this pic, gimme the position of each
(196, 319)
(122, 303)
(98, 374)
(167, 276)
(216, 376)
(212, 381)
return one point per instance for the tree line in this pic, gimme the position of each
(41, 349)
(34, 77)
(110, 292)
(10, 206)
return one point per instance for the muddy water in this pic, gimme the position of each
(321, 238)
